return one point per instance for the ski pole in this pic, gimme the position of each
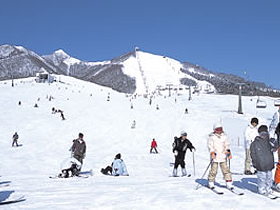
(193, 165)
(204, 172)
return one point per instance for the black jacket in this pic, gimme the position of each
(262, 149)
(181, 146)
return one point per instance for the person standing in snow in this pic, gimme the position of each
(262, 149)
(15, 139)
(117, 168)
(180, 146)
(78, 149)
(277, 172)
(219, 148)
(153, 146)
(250, 135)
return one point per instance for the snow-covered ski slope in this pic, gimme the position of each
(106, 125)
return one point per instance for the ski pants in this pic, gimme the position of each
(179, 161)
(214, 170)
(248, 160)
(151, 150)
(79, 158)
(264, 182)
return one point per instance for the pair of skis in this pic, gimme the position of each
(20, 199)
(214, 189)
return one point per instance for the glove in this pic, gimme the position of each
(228, 153)
(193, 149)
(213, 155)
(175, 152)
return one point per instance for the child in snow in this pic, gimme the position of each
(180, 146)
(70, 167)
(117, 168)
(153, 146)
(219, 148)
(262, 150)
(250, 135)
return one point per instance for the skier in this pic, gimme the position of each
(250, 135)
(78, 149)
(15, 139)
(262, 149)
(219, 148)
(117, 168)
(153, 146)
(69, 168)
(133, 124)
(180, 146)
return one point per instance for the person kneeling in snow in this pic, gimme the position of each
(69, 168)
(118, 167)
(262, 149)
(219, 148)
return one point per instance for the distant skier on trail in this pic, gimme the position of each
(262, 150)
(219, 148)
(117, 168)
(78, 149)
(153, 146)
(250, 134)
(15, 139)
(180, 146)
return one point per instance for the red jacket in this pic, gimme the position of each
(154, 144)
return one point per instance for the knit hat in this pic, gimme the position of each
(217, 125)
(254, 120)
(184, 133)
(263, 129)
(118, 156)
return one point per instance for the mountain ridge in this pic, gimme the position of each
(133, 72)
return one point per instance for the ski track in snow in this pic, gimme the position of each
(106, 125)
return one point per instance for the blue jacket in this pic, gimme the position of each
(119, 168)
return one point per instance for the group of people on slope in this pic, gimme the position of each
(259, 155)
(72, 166)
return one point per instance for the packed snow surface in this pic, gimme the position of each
(106, 126)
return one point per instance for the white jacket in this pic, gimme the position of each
(251, 133)
(219, 144)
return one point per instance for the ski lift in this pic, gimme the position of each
(261, 104)
(277, 102)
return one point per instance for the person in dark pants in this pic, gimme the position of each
(15, 139)
(180, 147)
(79, 148)
(153, 146)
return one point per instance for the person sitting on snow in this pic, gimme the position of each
(118, 167)
(69, 168)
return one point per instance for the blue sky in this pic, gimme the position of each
(221, 35)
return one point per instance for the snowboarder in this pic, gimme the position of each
(250, 135)
(180, 146)
(78, 149)
(262, 149)
(153, 146)
(69, 168)
(117, 168)
(15, 139)
(219, 148)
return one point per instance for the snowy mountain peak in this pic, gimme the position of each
(61, 53)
